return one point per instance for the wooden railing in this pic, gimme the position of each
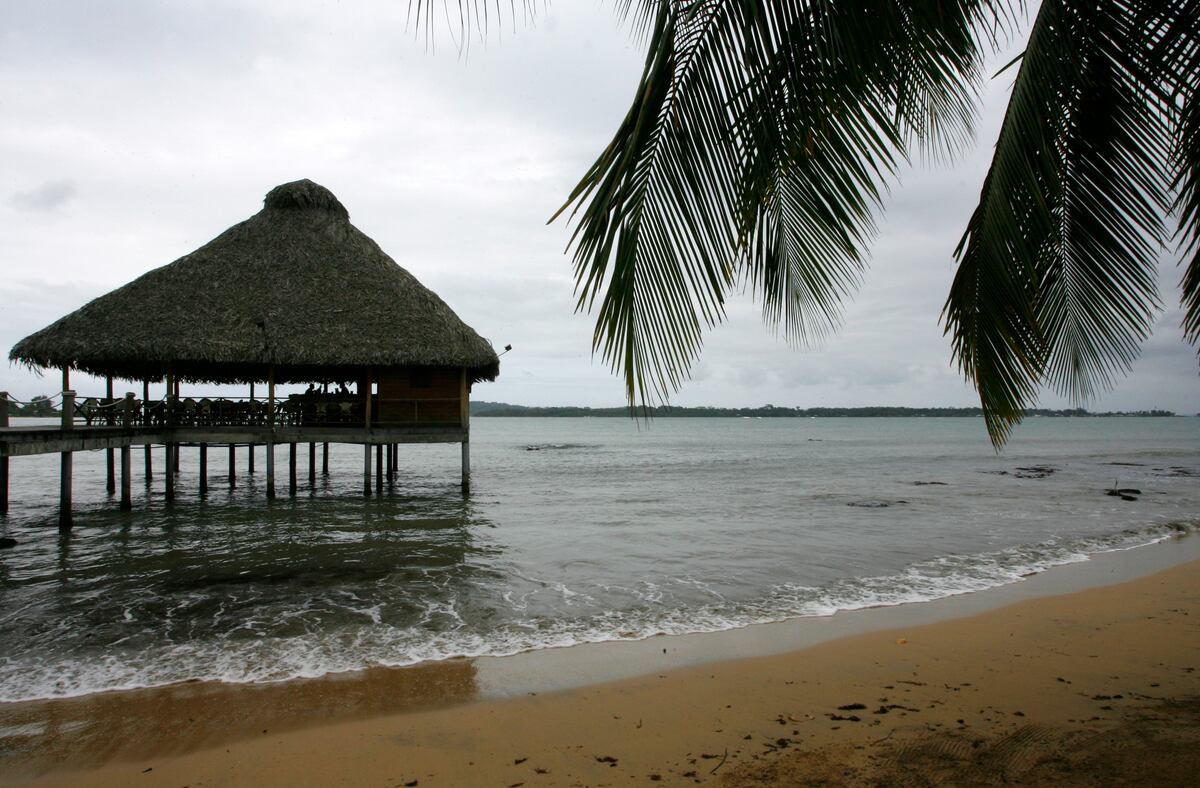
(320, 410)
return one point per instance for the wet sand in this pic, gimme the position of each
(1096, 686)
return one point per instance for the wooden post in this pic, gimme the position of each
(109, 458)
(390, 467)
(271, 433)
(203, 469)
(379, 468)
(324, 459)
(146, 413)
(4, 459)
(64, 488)
(367, 428)
(292, 469)
(232, 465)
(169, 461)
(127, 453)
(312, 465)
(250, 446)
(178, 464)
(464, 395)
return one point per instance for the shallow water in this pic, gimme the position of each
(577, 530)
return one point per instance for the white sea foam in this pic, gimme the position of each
(441, 632)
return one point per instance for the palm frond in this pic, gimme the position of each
(1056, 281)
(759, 146)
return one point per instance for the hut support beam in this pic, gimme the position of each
(367, 428)
(271, 423)
(109, 459)
(127, 454)
(379, 468)
(250, 447)
(65, 520)
(169, 449)
(466, 466)
(232, 465)
(292, 469)
(324, 459)
(464, 413)
(312, 466)
(4, 459)
(146, 411)
(203, 469)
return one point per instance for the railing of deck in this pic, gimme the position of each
(308, 410)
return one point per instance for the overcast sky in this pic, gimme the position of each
(131, 133)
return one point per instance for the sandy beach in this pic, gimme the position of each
(1097, 686)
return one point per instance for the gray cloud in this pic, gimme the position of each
(46, 197)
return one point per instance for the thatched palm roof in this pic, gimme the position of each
(296, 285)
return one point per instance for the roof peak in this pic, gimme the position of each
(304, 195)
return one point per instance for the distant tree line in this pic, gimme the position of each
(772, 411)
(38, 406)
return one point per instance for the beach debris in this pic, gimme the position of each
(611, 761)
(851, 707)
(847, 718)
(519, 761)
(7, 542)
(901, 641)
(540, 770)
(722, 763)
(412, 783)
(148, 769)
(654, 777)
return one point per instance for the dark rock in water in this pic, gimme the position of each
(1123, 491)
(1176, 470)
(874, 504)
(1034, 472)
(923, 484)
(1131, 464)
(1128, 498)
(7, 542)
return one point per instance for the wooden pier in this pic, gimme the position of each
(122, 424)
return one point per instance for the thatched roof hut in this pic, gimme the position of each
(296, 287)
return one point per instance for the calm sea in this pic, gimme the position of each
(577, 530)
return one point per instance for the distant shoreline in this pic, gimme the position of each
(501, 409)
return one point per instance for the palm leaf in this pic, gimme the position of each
(1056, 281)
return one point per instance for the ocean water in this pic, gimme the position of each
(577, 530)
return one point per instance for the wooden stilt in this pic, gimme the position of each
(379, 468)
(178, 464)
(4, 459)
(250, 447)
(366, 392)
(232, 465)
(324, 459)
(312, 465)
(271, 424)
(110, 465)
(169, 448)
(149, 472)
(466, 466)
(127, 454)
(464, 404)
(292, 469)
(65, 517)
(390, 446)
(270, 449)
(203, 469)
